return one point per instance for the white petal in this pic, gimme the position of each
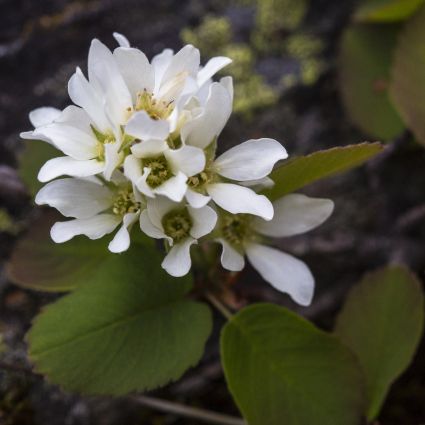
(211, 68)
(203, 221)
(202, 130)
(258, 185)
(283, 271)
(160, 63)
(107, 79)
(132, 168)
(94, 227)
(174, 188)
(113, 158)
(43, 116)
(122, 40)
(178, 262)
(251, 160)
(142, 126)
(157, 208)
(295, 214)
(196, 199)
(142, 184)
(149, 228)
(227, 83)
(121, 241)
(240, 200)
(230, 258)
(149, 148)
(190, 160)
(83, 94)
(70, 167)
(136, 70)
(71, 140)
(75, 198)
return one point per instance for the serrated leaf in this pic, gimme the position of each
(408, 75)
(31, 159)
(386, 10)
(364, 73)
(282, 369)
(301, 171)
(382, 322)
(130, 329)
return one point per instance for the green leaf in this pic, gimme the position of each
(281, 369)
(39, 263)
(130, 329)
(382, 322)
(31, 159)
(386, 10)
(301, 171)
(364, 69)
(408, 75)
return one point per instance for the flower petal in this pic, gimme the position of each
(283, 271)
(149, 148)
(203, 129)
(107, 79)
(121, 241)
(94, 227)
(122, 40)
(174, 188)
(160, 63)
(190, 160)
(178, 262)
(203, 221)
(43, 116)
(132, 168)
(142, 184)
(113, 158)
(251, 160)
(196, 199)
(75, 198)
(230, 258)
(295, 214)
(240, 200)
(135, 68)
(71, 140)
(65, 165)
(142, 126)
(211, 68)
(149, 228)
(157, 208)
(84, 95)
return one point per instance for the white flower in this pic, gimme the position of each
(248, 162)
(243, 234)
(96, 209)
(180, 226)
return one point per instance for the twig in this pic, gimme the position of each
(188, 412)
(219, 305)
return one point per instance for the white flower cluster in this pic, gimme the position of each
(139, 146)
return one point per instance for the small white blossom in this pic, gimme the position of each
(181, 226)
(96, 209)
(244, 234)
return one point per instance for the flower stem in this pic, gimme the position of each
(202, 415)
(219, 305)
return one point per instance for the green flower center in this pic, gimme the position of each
(160, 171)
(125, 202)
(236, 228)
(177, 224)
(102, 139)
(198, 181)
(156, 109)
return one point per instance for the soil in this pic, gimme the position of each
(379, 215)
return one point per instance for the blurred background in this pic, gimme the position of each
(291, 84)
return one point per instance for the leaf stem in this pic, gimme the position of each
(219, 305)
(202, 415)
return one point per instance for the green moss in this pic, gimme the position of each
(303, 46)
(210, 36)
(243, 60)
(7, 224)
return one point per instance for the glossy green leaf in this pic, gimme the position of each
(386, 10)
(364, 70)
(281, 369)
(301, 171)
(130, 329)
(408, 75)
(382, 322)
(31, 159)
